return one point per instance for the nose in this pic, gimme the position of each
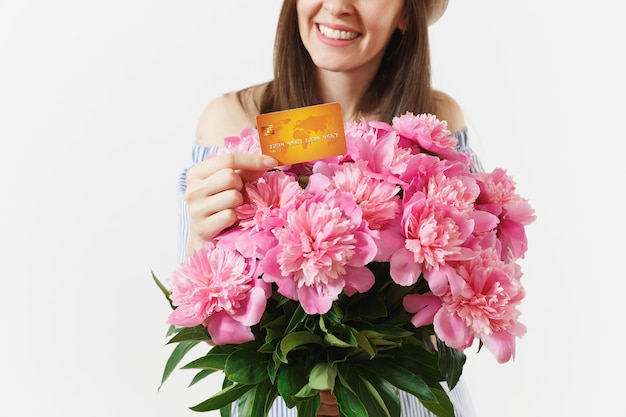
(338, 7)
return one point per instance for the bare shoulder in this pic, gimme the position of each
(449, 110)
(227, 115)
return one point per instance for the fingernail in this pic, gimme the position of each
(270, 162)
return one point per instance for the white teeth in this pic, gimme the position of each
(337, 34)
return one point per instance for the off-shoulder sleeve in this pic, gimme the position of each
(198, 154)
(462, 140)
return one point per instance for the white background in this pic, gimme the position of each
(98, 107)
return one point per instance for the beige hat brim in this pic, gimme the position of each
(437, 8)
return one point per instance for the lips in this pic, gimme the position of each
(336, 34)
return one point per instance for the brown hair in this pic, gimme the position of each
(403, 81)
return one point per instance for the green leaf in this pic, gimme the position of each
(374, 308)
(348, 402)
(257, 401)
(200, 376)
(198, 333)
(272, 320)
(322, 324)
(395, 293)
(246, 367)
(420, 361)
(223, 398)
(451, 363)
(290, 380)
(266, 393)
(366, 392)
(340, 336)
(172, 330)
(297, 340)
(381, 390)
(163, 289)
(403, 379)
(175, 357)
(322, 376)
(443, 406)
(216, 362)
(298, 317)
(270, 344)
(309, 406)
(364, 343)
(382, 331)
(272, 369)
(278, 357)
(226, 411)
(335, 314)
(333, 340)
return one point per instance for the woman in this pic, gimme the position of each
(370, 56)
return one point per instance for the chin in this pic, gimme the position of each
(331, 64)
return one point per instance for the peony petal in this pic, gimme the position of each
(520, 211)
(484, 221)
(424, 305)
(456, 283)
(226, 330)
(365, 250)
(256, 245)
(391, 240)
(185, 316)
(227, 239)
(318, 184)
(358, 280)
(515, 234)
(438, 280)
(403, 268)
(251, 309)
(289, 288)
(451, 329)
(501, 344)
(317, 299)
(270, 266)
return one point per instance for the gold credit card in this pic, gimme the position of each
(304, 134)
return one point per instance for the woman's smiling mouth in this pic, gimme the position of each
(336, 34)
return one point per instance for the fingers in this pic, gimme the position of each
(207, 226)
(199, 187)
(212, 205)
(214, 190)
(234, 161)
(225, 172)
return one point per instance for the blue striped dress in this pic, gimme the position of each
(410, 406)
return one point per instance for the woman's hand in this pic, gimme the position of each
(328, 405)
(214, 191)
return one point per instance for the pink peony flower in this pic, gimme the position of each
(435, 234)
(322, 250)
(377, 144)
(486, 306)
(266, 204)
(220, 290)
(424, 132)
(499, 197)
(377, 198)
(459, 192)
(267, 199)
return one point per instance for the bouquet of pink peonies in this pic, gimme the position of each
(362, 274)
